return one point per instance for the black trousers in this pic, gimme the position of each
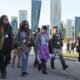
(5, 56)
(43, 65)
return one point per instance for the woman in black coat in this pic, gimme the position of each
(5, 52)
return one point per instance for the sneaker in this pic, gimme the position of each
(65, 67)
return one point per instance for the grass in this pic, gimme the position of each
(70, 55)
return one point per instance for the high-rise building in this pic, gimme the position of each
(69, 29)
(22, 15)
(36, 9)
(14, 23)
(55, 13)
(77, 26)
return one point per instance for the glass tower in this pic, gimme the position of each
(35, 16)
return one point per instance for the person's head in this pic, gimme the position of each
(44, 29)
(4, 19)
(38, 30)
(55, 30)
(24, 25)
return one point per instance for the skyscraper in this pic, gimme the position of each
(69, 29)
(55, 13)
(36, 8)
(77, 26)
(22, 15)
(14, 23)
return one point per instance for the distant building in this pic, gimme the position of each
(14, 23)
(77, 26)
(22, 15)
(69, 29)
(36, 9)
(55, 13)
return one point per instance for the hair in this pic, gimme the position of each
(44, 27)
(38, 29)
(2, 19)
(55, 27)
(23, 27)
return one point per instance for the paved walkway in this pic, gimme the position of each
(72, 73)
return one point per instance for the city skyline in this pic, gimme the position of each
(55, 13)
(69, 9)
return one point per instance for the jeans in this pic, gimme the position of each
(24, 61)
(59, 53)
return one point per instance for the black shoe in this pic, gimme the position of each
(53, 68)
(5, 72)
(44, 72)
(65, 67)
(39, 67)
(24, 74)
(52, 63)
(35, 65)
(3, 76)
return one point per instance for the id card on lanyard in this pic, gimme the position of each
(6, 36)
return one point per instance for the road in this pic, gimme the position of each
(72, 73)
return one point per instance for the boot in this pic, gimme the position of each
(3, 75)
(63, 62)
(39, 66)
(35, 63)
(43, 66)
(52, 63)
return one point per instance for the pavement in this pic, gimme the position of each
(72, 73)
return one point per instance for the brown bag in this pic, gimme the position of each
(1, 37)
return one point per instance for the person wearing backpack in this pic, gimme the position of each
(57, 48)
(5, 51)
(25, 42)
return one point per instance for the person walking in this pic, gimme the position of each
(42, 48)
(15, 52)
(57, 48)
(5, 51)
(36, 61)
(68, 47)
(72, 47)
(25, 42)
